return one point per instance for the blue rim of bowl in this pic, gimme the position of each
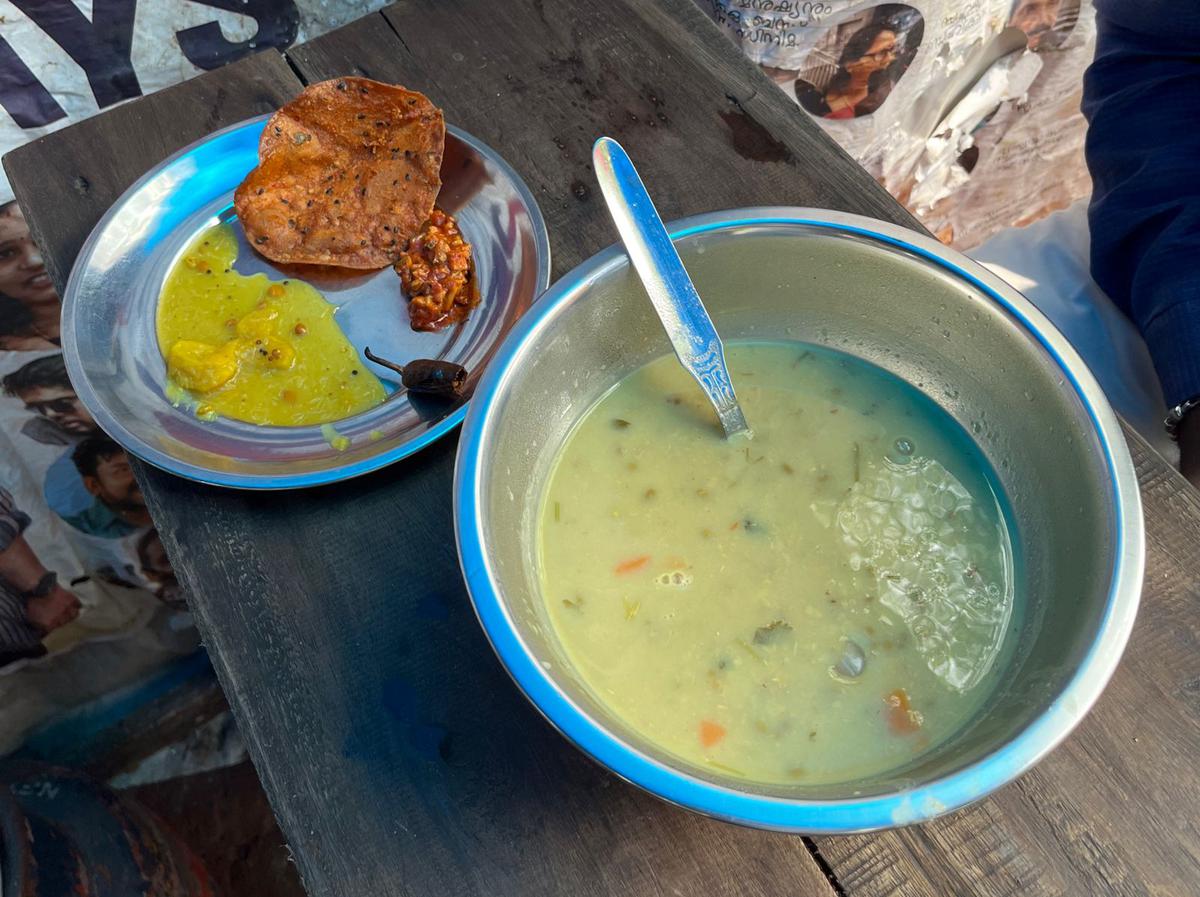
(269, 482)
(840, 816)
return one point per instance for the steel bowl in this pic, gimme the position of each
(909, 305)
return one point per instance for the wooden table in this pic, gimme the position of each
(396, 753)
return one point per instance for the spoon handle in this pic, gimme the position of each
(683, 315)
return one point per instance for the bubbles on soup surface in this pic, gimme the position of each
(675, 579)
(935, 559)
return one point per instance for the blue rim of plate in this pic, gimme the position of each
(164, 461)
(802, 816)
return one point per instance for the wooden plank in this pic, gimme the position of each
(114, 733)
(163, 722)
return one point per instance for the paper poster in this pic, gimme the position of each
(79, 555)
(1024, 158)
(966, 111)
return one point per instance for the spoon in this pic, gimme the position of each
(671, 291)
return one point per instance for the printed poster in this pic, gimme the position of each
(88, 599)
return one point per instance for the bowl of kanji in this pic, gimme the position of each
(940, 326)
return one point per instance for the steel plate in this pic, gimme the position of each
(112, 351)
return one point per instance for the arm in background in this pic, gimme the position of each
(1142, 101)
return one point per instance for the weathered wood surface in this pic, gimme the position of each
(397, 755)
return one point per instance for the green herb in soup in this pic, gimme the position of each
(821, 603)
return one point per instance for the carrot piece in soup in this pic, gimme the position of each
(901, 718)
(629, 565)
(710, 732)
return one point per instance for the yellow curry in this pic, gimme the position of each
(262, 351)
